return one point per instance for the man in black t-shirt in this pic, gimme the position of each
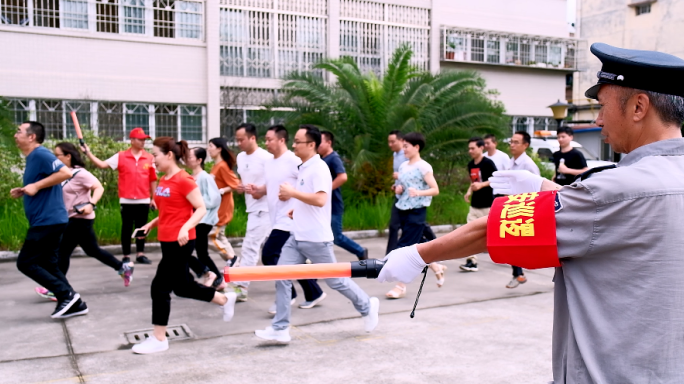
(480, 194)
(570, 163)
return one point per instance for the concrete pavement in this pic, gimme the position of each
(472, 330)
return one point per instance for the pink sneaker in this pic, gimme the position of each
(45, 294)
(126, 273)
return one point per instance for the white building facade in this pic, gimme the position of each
(195, 69)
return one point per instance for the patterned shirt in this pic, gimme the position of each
(413, 176)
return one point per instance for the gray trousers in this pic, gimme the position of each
(296, 252)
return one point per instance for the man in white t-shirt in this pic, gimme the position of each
(520, 161)
(499, 158)
(251, 167)
(283, 168)
(137, 182)
(312, 237)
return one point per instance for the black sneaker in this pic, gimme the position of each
(78, 309)
(143, 260)
(126, 260)
(469, 266)
(365, 254)
(64, 305)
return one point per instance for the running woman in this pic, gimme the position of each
(47, 217)
(251, 166)
(80, 206)
(180, 210)
(416, 186)
(205, 267)
(227, 182)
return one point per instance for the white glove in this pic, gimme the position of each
(515, 182)
(402, 264)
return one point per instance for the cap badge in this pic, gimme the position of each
(621, 78)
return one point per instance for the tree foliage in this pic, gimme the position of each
(361, 108)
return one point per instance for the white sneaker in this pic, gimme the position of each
(272, 308)
(151, 345)
(312, 303)
(370, 321)
(229, 307)
(282, 336)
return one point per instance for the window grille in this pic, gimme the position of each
(642, 9)
(160, 18)
(501, 48)
(274, 42)
(113, 119)
(370, 32)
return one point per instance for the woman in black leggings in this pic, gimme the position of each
(181, 208)
(204, 266)
(81, 194)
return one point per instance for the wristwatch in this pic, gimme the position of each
(94, 205)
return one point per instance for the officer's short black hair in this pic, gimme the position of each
(312, 133)
(396, 133)
(415, 138)
(329, 137)
(280, 131)
(525, 136)
(491, 137)
(250, 129)
(36, 128)
(477, 140)
(567, 130)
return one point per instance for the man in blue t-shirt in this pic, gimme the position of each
(47, 217)
(339, 176)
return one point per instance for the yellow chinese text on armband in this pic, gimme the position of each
(521, 230)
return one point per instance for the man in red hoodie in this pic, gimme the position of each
(137, 182)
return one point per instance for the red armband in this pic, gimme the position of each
(521, 230)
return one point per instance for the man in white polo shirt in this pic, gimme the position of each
(312, 237)
(520, 161)
(283, 168)
(500, 159)
(251, 166)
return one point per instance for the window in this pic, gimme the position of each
(14, 12)
(555, 54)
(191, 123)
(477, 48)
(107, 16)
(49, 112)
(493, 49)
(643, 9)
(74, 14)
(82, 110)
(301, 43)
(137, 116)
(46, 13)
(134, 16)
(245, 43)
(110, 120)
(363, 42)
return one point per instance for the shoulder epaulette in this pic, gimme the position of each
(592, 171)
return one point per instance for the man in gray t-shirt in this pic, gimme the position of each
(619, 289)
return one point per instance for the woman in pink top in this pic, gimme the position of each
(81, 194)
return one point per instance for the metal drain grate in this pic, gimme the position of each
(173, 332)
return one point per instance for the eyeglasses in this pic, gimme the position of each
(301, 142)
(516, 142)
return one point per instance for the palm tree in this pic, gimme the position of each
(361, 108)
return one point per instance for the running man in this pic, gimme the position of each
(520, 161)
(479, 194)
(47, 217)
(283, 168)
(312, 237)
(499, 158)
(251, 166)
(137, 182)
(339, 176)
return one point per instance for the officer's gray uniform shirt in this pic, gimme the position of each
(619, 294)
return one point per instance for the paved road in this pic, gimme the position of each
(473, 330)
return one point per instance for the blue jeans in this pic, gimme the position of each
(296, 252)
(343, 241)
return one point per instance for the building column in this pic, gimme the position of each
(212, 18)
(334, 29)
(435, 41)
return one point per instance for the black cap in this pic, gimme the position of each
(645, 70)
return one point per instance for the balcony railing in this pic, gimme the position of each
(158, 18)
(502, 48)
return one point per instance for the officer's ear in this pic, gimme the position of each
(639, 104)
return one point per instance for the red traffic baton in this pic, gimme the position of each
(364, 268)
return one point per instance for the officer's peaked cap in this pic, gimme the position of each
(644, 70)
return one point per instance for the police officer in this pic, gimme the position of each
(619, 295)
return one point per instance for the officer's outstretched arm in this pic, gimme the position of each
(467, 240)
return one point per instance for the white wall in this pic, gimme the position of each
(66, 67)
(523, 91)
(536, 17)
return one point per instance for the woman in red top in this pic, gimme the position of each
(181, 208)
